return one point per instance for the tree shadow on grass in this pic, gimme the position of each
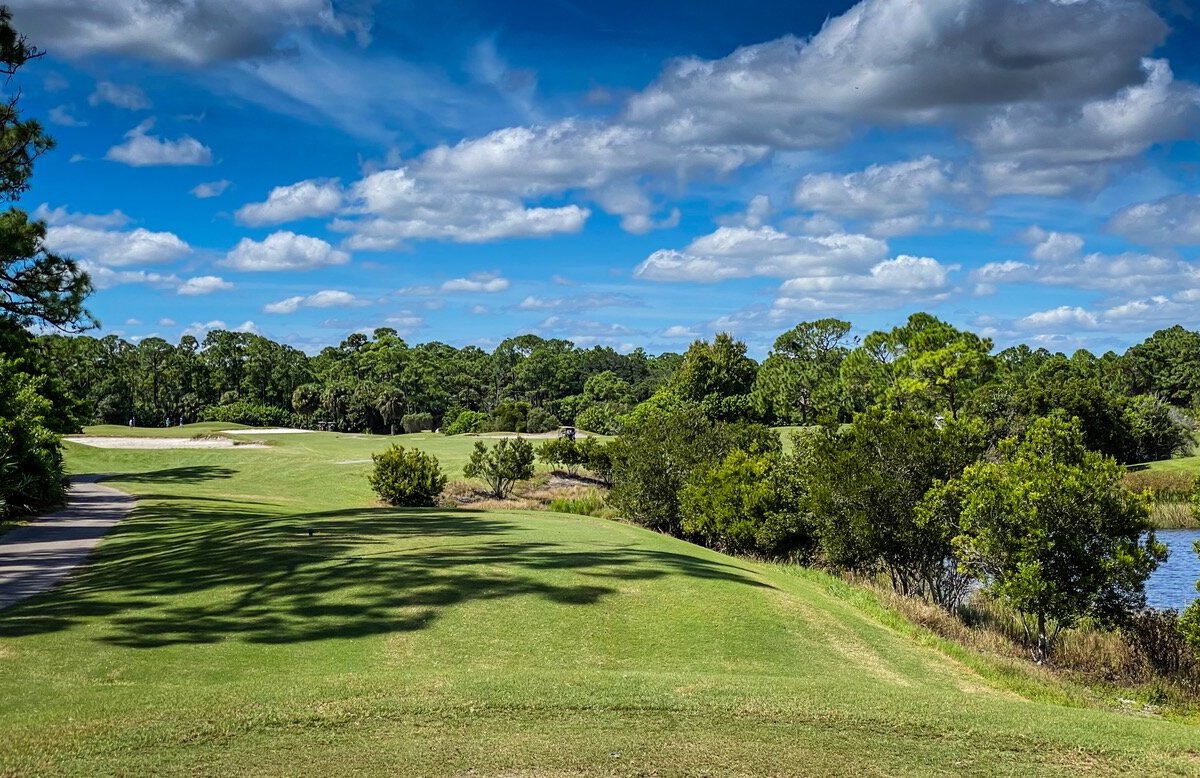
(189, 572)
(190, 474)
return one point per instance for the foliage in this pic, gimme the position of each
(746, 504)
(656, 455)
(561, 451)
(31, 467)
(589, 504)
(1157, 430)
(799, 381)
(467, 421)
(715, 375)
(406, 477)
(1051, 532)
(502, 465)
(601, 418)
(249, 413)
(864, 484)
(509, 416)
(417, 422)
(597, 458)
(1160, 641)
(541, 420)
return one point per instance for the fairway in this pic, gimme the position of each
(256, 615)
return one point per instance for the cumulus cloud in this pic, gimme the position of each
(477, 282)
(104, 277)
(204, 285)
(911, 61)
(284, 250)
(141, 149)
(289, 203)
(741, 252)
(99, 239)
(894, 198)
(209, 189)
(129, 97)
(890, 283)
(326, 298)
(679, 331)
(193, 33)
(1171, 221)
(1071, 317)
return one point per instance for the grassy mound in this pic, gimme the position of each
(214, 635)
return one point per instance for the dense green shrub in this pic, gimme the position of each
(1159, 641)
(601, 418)
(406, 477)
(31, 466)
(465, 422)
(657, 453)
(417, 422)
(509, 416)
(597, 458)
(540, 420)
(248, 413)
(746, 504)
(588, 504)
(501, 465)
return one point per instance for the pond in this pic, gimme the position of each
(1173, 584)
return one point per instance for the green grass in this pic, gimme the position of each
(213, 635)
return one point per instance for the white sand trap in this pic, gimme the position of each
(148, 443)
(352, 461)
(265, 431)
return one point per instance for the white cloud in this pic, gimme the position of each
(141, 149)
(477, 282)
(62, 116)
(204, 285)
(890, 283)
(326, 298)
(128, 97)
(1171, 221)
(679, 331)
(97, 239)
(106, 277)
(1064, 316)
(166, 322)
(1054, 246)
(193, 33)
(288, 203)
(209, 189)
(284, 251)
(740, 252)
(894, 197)
(910, 61)
(199, 329)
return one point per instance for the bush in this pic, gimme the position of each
(467, 421)
(589, 504)
(509, 416)
(406, 477)
(745, 505)
(417, 422)
(1159, 641)
(502, 465)
(601, 418)
(658, 452)
(597, 458)
(541, 420)
(248, 413)
(31, 466)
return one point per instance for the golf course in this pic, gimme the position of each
(258, 614)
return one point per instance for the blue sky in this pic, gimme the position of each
(626, 174)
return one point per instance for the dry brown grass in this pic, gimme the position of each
(536, 494)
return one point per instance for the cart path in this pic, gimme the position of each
(36, 557)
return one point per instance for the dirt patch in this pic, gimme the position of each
(97, 441)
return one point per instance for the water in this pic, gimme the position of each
(1173, 584)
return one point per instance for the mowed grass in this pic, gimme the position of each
(214, 635)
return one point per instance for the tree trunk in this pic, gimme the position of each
(1043, 643)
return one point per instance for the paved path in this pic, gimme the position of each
(37, 556)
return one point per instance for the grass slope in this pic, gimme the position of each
(213, 635)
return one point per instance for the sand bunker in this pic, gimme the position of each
(103, 442)
(265, 431)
